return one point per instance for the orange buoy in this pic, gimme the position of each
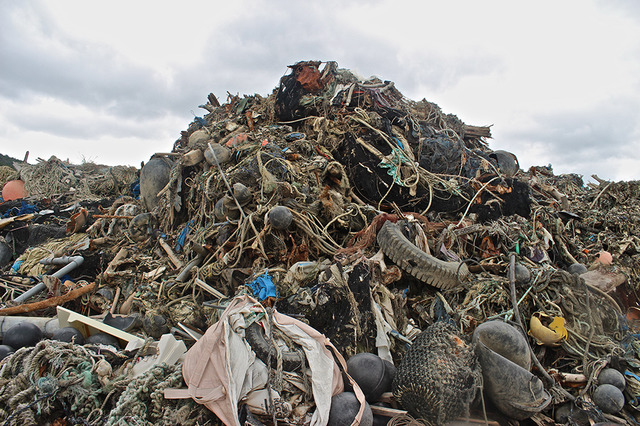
(14, 190)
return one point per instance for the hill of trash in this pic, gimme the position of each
(333, 253)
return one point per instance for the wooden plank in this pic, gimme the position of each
(172, 256)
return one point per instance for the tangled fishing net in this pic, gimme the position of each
(6, 174)
(87, 181)
(438, 376)
(59, 380)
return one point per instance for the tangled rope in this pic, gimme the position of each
(407, 420)
(6, 174)
(87, 181)
(591, 317)
(44, 381)
(142, 402)
(29, 261)
(61, 380)
(48, 177)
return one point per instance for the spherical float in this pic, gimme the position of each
(577, 269)
(371, 374)
(344, 409)
(5, 254)
(102, 339)
(22, 335)
(242, 193)
(222, 154)
(507, 162)
(14, 190)
(5, 351)
(605, 258)
(611, 376)
(280, 217)
(69, 335)
(523, 276)
(608, 398)
(154, 176)
(155, 325)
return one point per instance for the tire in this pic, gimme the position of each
(254, 334)
(426, 268)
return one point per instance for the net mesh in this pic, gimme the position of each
(438, 376)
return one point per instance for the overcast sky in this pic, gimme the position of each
(115, 81)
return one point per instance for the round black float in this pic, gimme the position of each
(69, 335)
(344, 409)
(21, 335)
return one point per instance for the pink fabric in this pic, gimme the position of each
(205, 366)
(205, 373)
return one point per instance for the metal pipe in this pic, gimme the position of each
(71, 263)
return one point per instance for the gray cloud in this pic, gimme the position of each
(586, 141)
(629, 8)
(39, 60)
(247, 55)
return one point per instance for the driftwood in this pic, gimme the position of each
(172, 256)
(476, 131)
(48, 303)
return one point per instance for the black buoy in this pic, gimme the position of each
(69, 335)
(280, 217)
(345, 407)
(22, 335)
(6, 254)
(124, 323)
(102, 339)
(612, 377)
(507, 162)
(155, 325)
(577, 269)
(153, 177)
(608, 398)
(5, 351)
(372, 374)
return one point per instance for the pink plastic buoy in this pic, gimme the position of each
(14, 190)
(605, 258)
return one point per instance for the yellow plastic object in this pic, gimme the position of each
(547, 335)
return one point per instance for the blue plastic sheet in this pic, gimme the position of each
(263, 287)
(183, 236)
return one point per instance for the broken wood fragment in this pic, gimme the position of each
(48, 303)
(172, 256)
(476, 131)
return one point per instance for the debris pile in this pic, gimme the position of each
(287, 234)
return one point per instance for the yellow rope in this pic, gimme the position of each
(61, 247)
